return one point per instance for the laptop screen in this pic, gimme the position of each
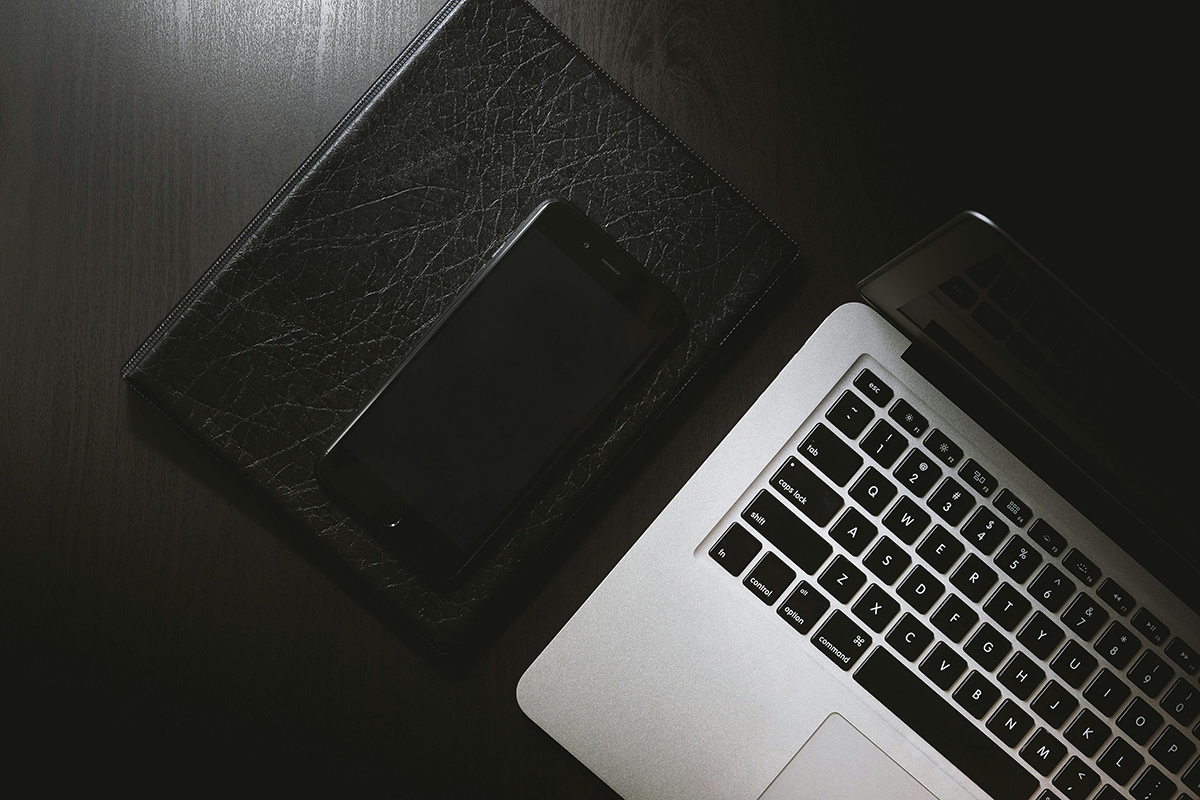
(1063, 388)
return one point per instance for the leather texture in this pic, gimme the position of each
(488, 112)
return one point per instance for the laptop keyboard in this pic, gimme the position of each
(905, 561)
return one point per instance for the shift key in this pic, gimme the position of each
(806, 491)
(791, 535)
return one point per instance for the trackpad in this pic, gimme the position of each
(839, 763)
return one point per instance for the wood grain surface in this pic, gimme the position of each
(162, 632)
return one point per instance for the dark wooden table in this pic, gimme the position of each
(159, 630)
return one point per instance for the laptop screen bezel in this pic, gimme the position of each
(1128, 504)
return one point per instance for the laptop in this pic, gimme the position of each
(945, 554)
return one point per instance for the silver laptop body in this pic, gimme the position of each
(863, 594)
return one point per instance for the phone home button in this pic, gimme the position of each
(389, 514)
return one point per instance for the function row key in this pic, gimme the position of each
(1150, 626)
(1183, 655)
(1081, 567)
(876, 390)
(943, 448)
(1013, 507)
(1046, 537)
(978, 478)
(1117, 598)
(909, 419)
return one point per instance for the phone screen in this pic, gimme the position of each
(503, 384)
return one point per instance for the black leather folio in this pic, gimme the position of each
(489, 111)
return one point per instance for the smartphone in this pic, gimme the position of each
(485, 407)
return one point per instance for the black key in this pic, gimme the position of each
(842, 640)
(1076, 779)
(1150, 626)
(1150, 673)
(876, 608)
(1081, 567)
(988, 647)
(1043, 752)
(986, 271)
(909, 637)
(1052, 588)
(831, 455)
(1084, 616)
(853, 531)
(960, 292)
(1117, 598)
(974, 578)
(876, 390)
(951, 501)
(1173, 748)
(940, 549)
(1021, 675)
(807, 492)
(917, 473)
(1183, 655)
(873, 491)
(907, 520)
(1118, 645)
(910, 420)
(850, 414)
(1139, 720)
(1040, 635)
(985, 531)
(976, 695)
(1010, 723)
(1054, 704)
(1012, 507)
(1007, 606)
(943, 666)
(1153, 784)
(1120, 761)
(887, 560)
(1087, 732)
(1012, 294)
(978, 478)
(992, 321)
(1050, 540)
(884, 444)
(954, 618)
(1074, 664)
(921, 589)
(1018, 559)
(943, 448)
(941, 725)
(805, 547)
(1191, 778)
(1109, 792)
(1026, 351)
(842, 579)
(803, 607)
(1106, 692)
(736, 548)
(1182, 702)
(769, 578)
